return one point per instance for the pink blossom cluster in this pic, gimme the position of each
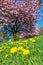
(26, 10)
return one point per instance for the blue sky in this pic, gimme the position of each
(40, 22)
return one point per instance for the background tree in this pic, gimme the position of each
(41, 30)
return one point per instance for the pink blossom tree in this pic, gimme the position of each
(26, 10)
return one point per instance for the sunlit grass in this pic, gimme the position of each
(22, 52)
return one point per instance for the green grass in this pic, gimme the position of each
(35, 57)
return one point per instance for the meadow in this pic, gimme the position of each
(22, 52)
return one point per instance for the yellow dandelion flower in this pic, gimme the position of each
(30, 39)
(13, 50)
(33, 40)
(6, 56)
(0, 51)
(26, 52)
(25, 41)
(20, 43)
(20, 48)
